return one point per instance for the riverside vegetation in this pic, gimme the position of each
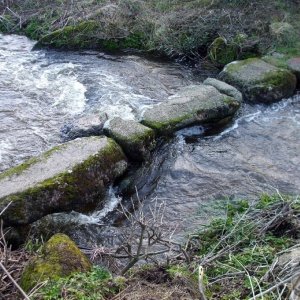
(252, 253)
(221, 30)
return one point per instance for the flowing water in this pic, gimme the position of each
(194, 174)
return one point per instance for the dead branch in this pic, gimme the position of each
(14, 282)
(145, 237)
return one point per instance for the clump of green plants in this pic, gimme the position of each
(94, 285)
(238, 252)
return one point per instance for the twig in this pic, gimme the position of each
(227, 275)
(5, 208)
(200, 283)
(13, 281)
(249, 277)
(275, 286)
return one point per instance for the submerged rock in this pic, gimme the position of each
(136, 139)
(259, 81)
(72, 176)
(195, 104)
(224, 88)
(60, 257)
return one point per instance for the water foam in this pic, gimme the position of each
(112, 201)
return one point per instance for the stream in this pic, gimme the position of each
(195, 174)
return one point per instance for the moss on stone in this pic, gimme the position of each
(208, 114)
(238, 65)
(222, 52)
(24, 166)
(18, 169)
(167, 126)
(277, 78)
(89, 35)
(259, 81)
(60, 257)
(80, 188)
(279, 62)
(195, 104)
(78, 36)
(136, 140)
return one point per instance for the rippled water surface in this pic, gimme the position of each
(40, 91)
(258, 153)
(198, 170)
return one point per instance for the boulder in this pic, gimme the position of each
(259, 81)
(60, 257)
(294, 66)
(224, 88)
(84, 126)
(72, 176)
(136, 139)
(195, 104)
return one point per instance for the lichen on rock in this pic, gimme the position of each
(60, 257)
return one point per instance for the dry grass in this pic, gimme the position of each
(12, 264)
(156, 284)
(176, 28)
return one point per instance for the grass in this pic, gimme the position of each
(238, 251)
(184, 29)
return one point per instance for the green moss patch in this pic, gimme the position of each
(60, 257)
(259, 81)
(221, 52)
(79, 187)
(89, 35)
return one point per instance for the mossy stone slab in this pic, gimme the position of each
(60, 257)
(72, 176)
(259, 81)
(136, 139)
(224, 88)
(194, 104)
